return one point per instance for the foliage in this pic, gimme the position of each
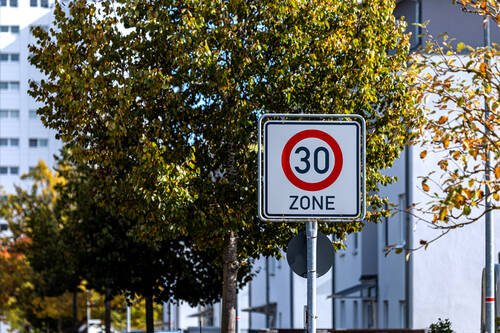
(169, 269)
(163, 97)
(37, 226)
(458, 86)
(441, 326)
(121, 106)
(21, 301)
(38, 274)
(481, 7)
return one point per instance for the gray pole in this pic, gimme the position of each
(311, 233)
(88, 311)
(129, 328)
(490, 278)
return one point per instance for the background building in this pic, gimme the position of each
(23, 139)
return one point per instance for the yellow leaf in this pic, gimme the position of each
(482, 67)
(443, 213)
(497, 172)
(425, 187)
(446, 142)
(442, 120)
(496, 196)
(480, 194)
(424, 153)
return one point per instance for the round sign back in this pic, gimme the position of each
(296, 254)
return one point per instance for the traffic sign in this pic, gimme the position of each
(296, 254)
(311, 169)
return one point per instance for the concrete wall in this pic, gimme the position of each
(444, 16)
(447, 276)
(391, 268)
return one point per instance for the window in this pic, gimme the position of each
(342, 314)
(33, 3)
(32, 114)
(369, 315)
(386, 314)
(12, 85)
(31, 168)
(4, 57)
(14, 29)
(13, 3)
(44, 3)
(14, 57)
(355, 314)
(4, 142)
(35, 142)
(402, 314)
(3, 3)
(13, 170)
(402, 217)
(4, 28)
(9, 113)
(3, 227)
(386, 227)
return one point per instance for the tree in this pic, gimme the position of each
(113, 261)
(39, 274)
(148, 90)
(460, 84)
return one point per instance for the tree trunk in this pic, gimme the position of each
(107, 311)
(229, 288)
(149, 315)
(75, 312)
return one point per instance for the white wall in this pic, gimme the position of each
(448, 274)
(391, 270)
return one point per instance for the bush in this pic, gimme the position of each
(442, 326)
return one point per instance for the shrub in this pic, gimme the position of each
(441, 326)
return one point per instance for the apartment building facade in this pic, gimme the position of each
(23, 139)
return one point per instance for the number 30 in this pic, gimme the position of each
(307, 164)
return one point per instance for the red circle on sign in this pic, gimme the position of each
(332, 177)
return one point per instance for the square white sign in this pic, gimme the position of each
(311, 170)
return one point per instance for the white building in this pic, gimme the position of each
(23, 139)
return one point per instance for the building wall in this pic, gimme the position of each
(443, 16)
(447, 276)
(25, 125)
(391, 267)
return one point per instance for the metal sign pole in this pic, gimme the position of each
(311, 233)
(490, 275)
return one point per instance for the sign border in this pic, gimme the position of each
(321, 119)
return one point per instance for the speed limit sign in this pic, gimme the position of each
(311, 169)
